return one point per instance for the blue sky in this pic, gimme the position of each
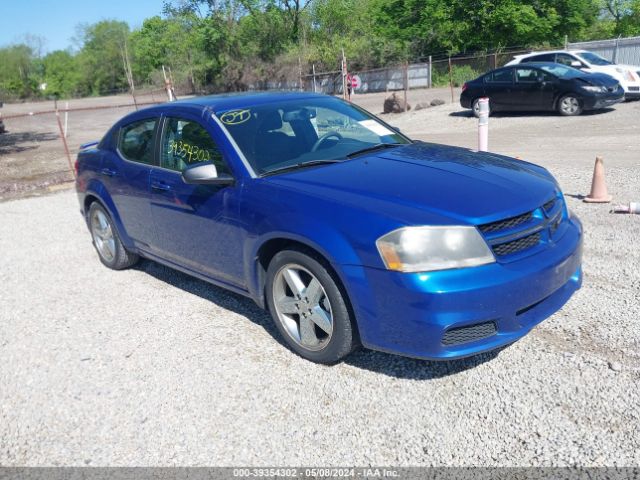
(56, 20)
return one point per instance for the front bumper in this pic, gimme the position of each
(632, 93)
(604, 100)
(410, 313)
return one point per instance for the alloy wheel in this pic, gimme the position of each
(302, 307)
(102, 233)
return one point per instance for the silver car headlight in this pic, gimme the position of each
(423, 249)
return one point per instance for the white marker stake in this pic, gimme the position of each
(483, 124)
(66, 118)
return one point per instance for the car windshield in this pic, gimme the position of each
(593, 58)
(292, 133)
(562, 71)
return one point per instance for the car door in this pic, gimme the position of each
(498, 87)
(196, 226)
(125, 173)
(533, 89)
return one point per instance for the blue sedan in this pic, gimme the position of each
(345, 229)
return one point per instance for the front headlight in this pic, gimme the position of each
(626, 74)
(590, 88)
(423, 249)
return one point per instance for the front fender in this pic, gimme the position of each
(317, 235)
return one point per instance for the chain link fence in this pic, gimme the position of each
(42, 139)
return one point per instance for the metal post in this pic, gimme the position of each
(451, 79)
(406, 83)
(64, 142)
(615, 50)
(313, 68)
(483, 124)
(300, 74)
(344, 76)
(167, 85)
(66, 119)
(430, 81)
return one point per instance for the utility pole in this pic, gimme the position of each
(128, 72)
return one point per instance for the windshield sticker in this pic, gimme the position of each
(376, 128)
(235, 117)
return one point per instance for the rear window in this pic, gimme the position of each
(547, 57)
(135, 142)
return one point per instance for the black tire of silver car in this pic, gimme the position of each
(309, 307)
(107, 241)
(569, 105)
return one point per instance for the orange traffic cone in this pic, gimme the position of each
(599, 192)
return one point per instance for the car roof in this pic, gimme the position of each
(227, 101)
(543, 52)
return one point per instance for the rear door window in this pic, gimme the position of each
(526, 75)
(135, 141)
(500, 76)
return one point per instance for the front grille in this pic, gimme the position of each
(506, 224)
(549, 205)
(471, 333)
(634, 89)
(518, 245)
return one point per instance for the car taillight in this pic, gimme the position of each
(464, 86)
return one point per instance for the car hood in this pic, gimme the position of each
(425, 182)
(598, 79)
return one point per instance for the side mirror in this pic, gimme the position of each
(206, 174)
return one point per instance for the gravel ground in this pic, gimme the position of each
(150, 367)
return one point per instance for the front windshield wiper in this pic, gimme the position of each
(373, 148)
(297, 166)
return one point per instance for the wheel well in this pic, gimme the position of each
(270, 248)
(88, 200)
(266, 253)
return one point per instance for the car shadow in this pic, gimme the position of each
(11, 143)
(223, 298)
(412, 368)
(378, 362)
(577, 196)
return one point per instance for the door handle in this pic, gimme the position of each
(160, 186)
(107, 172)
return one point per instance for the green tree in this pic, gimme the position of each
(625, 15)
(61, 74)
(101, 57)
(433, 26)
(19, 71)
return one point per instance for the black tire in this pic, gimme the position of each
(475, 110)
(344, 338)
(121, 257)
(569, 105)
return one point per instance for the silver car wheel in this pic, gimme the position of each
(103, 235)
(302, 307)
(570, 105)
